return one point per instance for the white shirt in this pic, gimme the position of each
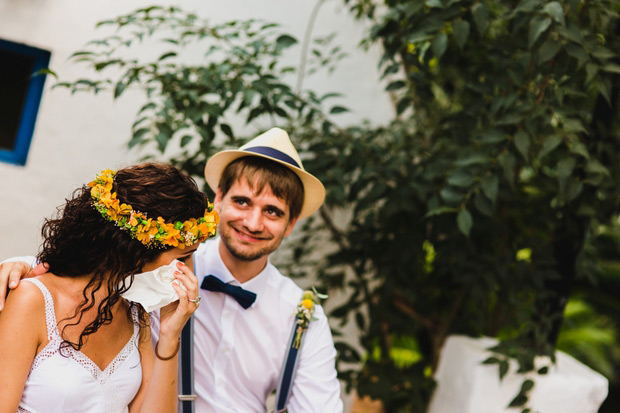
(238, 354)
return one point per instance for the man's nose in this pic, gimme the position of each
(254, 220)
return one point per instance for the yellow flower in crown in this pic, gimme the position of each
(150, 232)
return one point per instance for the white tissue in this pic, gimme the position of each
(153, 289)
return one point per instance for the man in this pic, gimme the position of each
(261, 192)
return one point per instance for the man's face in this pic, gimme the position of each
(252, 225)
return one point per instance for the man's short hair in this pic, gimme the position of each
(259, 172)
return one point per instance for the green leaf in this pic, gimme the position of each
(565, 169)
(577, 51)
(490, 187)
(503, 369)
(460, 179)
(538, 25)
(483, 204)
(434, 3)
(595, 167)
(119, 89)
(185, 140)
(527, 386)
(464, 221)
(439, 44)
(519, 400)
(338, 109)
(591, 71)
(507, 162)
(550, 143)
(284, 41)
(403, 105)
(460, 29)
(611, 67)
(579, 149)
(493, 136)
(451, 196)
(391, 69)
(573, 189)
(548, 50)
(472, 159)
(227, 130)
(481, 16)
(522, 142)
(81, 53)
(167, 55)
(554, 9)
(395, 85)
(439, 211)
(491, 360)
(604, 87)
(45, 71)
(162, 141)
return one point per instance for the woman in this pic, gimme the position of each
(68, 341)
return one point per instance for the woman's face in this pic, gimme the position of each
(166, 258)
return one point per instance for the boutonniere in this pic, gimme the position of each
(305, 312)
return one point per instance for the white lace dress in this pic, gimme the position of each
(71, 382)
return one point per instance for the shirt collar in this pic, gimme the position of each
(219, 269)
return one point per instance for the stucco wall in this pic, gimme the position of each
(78, 135)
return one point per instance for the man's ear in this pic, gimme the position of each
(291, 225)
(218, 199)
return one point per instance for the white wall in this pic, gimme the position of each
(78, 135)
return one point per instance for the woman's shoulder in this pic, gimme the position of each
(27, 297)
(23, 315)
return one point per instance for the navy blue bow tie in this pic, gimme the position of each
(244, 297)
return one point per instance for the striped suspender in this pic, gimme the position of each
(187, 397)
(287, 374)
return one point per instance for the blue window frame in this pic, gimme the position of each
(20, 95)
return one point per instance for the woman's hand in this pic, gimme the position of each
(174, 316)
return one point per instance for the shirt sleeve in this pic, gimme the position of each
(28, 259)
(316, 387)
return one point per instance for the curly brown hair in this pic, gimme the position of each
(80, 241)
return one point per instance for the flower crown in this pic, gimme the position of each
(150, 232)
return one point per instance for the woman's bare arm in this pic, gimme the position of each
(22, 331)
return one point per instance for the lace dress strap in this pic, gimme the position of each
(50, 316)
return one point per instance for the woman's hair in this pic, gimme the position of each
(261, 172)
(79, 241)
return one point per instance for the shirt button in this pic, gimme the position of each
(227, 314)
(220, 382)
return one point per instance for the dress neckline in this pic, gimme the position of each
(55, 340)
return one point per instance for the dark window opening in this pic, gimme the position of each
(20, 94)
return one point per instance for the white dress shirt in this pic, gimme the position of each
(238, 354)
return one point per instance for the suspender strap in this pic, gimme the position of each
(287, 374)
(186, 370)
(187, 396)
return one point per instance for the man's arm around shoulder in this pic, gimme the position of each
(14, 269)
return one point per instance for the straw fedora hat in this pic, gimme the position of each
(277, 146)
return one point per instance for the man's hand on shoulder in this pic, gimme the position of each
(11, 272)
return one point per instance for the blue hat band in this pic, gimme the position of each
(273, 153)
